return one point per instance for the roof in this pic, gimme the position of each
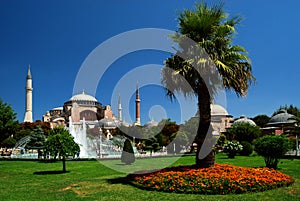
(28, 73)
(244, 119)
(57, 108)
(108, 123)
(151, 124)
(282, 117)
(83, 97)
(218, 110)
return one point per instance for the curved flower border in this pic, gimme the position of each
(221, 179)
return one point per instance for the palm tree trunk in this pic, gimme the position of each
(204, 156)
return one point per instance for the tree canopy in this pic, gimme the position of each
(200, 67)
(61, 143)
(8, 122)
(261, 120)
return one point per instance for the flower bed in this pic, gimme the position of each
(221, 179)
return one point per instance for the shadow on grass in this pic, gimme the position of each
(51, 172)
(119, 180)
(48, 161)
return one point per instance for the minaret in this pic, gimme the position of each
(137, 106)
(28, 104)
(120, 109)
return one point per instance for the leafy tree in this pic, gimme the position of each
(152, 145)
(272, 148)
(37, 140)
(32, 125)
(212, 30)
(261, 120)
(179, 140)
(9, 142)
(22, 133)
(61, 143)
(222, 140)
(190, 127)
(8, 123)
(127, 156)
(244, 132)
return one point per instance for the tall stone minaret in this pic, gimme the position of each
(120, 109)
(137, 106)
(28, 104)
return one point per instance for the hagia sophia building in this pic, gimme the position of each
(86, 107)
(78, 108)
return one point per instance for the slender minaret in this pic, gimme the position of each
(120, 109)
(28, 104)
(137, 106)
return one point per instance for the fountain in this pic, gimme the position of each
(97, 147)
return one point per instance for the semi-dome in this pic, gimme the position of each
(83, 97)
(244, 119)
(282, 117)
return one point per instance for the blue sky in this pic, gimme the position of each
(55, 37)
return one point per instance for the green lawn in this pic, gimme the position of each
(91, 180)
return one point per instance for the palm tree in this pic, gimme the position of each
(213, 31)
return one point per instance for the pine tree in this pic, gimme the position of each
(127, 156)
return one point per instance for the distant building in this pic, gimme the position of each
(84, 106)
(220, 119)
(279, 123)
(243, 119)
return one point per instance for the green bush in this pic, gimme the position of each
(247, 148)
(232, 148)
(127, 156)
(272, 148)
(244, 132)
(222, 140)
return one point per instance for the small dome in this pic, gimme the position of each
(57, 108)
(108, 123)
(282, 117)
(83, 97)
(218, 110)
(151, 124)
(244, 119)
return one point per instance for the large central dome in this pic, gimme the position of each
(83, 100)
(83, 97)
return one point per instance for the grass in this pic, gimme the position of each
(91, 180)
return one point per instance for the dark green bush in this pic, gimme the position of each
(272, 148)
(127, 156)
(244, 132)
(247, 148)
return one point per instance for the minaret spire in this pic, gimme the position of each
(137, 106)
(120, 109)
(28, 100)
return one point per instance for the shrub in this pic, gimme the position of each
(222, 140)
(247, 148)
(272, 148)
(244, 132)
(127, 156)
(232, 148)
